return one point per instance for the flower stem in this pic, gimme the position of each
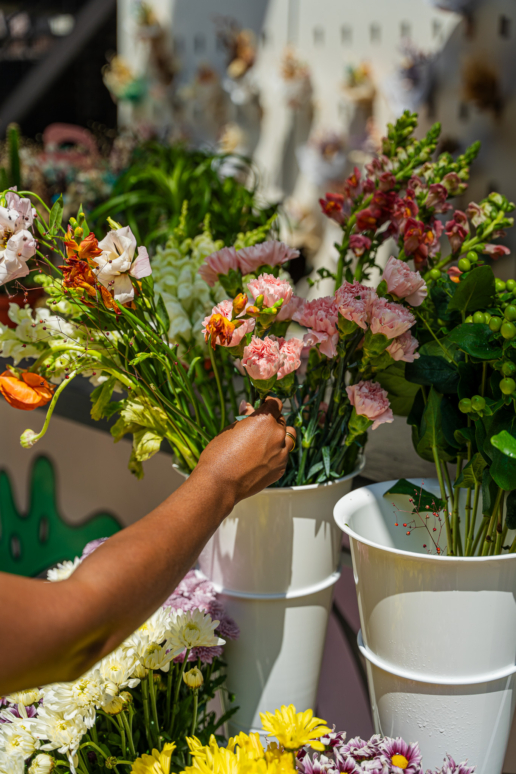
(152, 692)
(492, 523)
(51, 408)
(455, 515)
(122, 735)
(170, 678)
(146, 717)
(219, 388)
(444, 497)
(194, 714)
(130, 739)
(471, 532)
(177, 689)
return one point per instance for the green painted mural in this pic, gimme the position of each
(31, 543)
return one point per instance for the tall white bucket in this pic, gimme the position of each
(438, 634)
(275, 560)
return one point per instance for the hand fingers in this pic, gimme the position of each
(245, 409)
(272, 406)
(289, 441)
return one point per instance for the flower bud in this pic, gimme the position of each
(110, 763)
(140, 672)
(113, 706)
(28, 439)
(193, 678)
(126, 697)
(78, 232)
(42, 764)
(239, 304)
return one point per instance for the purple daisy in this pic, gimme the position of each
(316, 764)
(359, 749)
(400, 757)
(205, 655)
(450, 767)
(92, 546)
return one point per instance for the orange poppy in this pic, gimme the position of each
(25, 393)
(219, 328)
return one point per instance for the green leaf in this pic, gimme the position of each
(474, 292)
(469, 379)
(163, 315)
(506, 443)
(100, 397)
(401, 391)
(40, 226)
(314, 469)
(191, 368)
(510, 513)
(429, 370)
(145, 444)
(420, 496)
(476, 339)
(449, 351)
(326, 455)
(453, 421)
(431, 431)
(141, 356)
(56, 215)
(471, 475)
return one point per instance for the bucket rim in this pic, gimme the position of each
(356, 493)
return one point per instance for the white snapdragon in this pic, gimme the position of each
(187, 297)
(59, 734)
(63, 570)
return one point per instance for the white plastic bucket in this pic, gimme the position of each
(274, 561)
(438, 634)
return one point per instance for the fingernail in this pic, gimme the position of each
(242, 407)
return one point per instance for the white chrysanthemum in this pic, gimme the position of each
(11, 764)
(63, 570)
(192, 629)
(42, 764)
(116, 671)
(18, 736)
(25, 698)
(78, 698)
(155, 656)
(59, 734)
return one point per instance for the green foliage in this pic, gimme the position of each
(31, 543)
(476, 291)
(149, 195)
(420, 498)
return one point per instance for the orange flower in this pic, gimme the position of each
(219, 327)
(78, 275)
(239, 304)
(85, 250)
(25, 393)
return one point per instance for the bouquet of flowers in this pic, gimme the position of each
(459, 392)
(106, 321)
(152, 691)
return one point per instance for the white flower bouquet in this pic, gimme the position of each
(152, 690)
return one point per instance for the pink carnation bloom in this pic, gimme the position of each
(287, 311)
(404, 283)
(354, 302)
(370, 401)
(271, 253)
(404, 348)
(390, 319)
(218, 263)
(291, 353)
(262, 359)
(271, 288)
(225, 308)
(321, 315)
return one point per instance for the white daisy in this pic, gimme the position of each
(63, 570)
(11, 764)
(42, 764)
(59, 734)
(191, 629)
(18, 736)
(77, 698)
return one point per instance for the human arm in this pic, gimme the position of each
(55, 631)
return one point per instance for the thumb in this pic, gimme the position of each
(245, 408)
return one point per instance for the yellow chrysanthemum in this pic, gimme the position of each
(248, 746)
(157, 763)
(294, 730)
(243, 755)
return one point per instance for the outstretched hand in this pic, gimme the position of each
(251, 454)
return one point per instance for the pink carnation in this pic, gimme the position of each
(354, 302)
(262, 358)
(271, 253)
(287, 311)
(390, 319)
(404, 348)
(370, 401)
(271, 288)
(291, 352)
(225, 308)
(218, 263)
(404, 283)
(321, 315)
